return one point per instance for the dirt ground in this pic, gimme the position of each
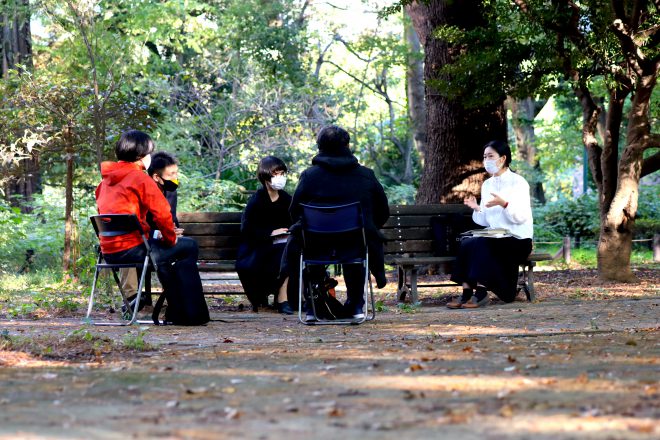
(581, 363)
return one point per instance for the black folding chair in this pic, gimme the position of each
(112, 225)
(333, 235)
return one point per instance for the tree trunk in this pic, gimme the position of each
(415, 90)
(67, 257)
(523, 112)
(617, 224)
(15, 50)
(456, 135)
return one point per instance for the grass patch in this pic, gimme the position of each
(80, 344)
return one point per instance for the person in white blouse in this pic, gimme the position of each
(491, 263)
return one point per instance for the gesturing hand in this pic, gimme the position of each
(471, 202)
(496, 201)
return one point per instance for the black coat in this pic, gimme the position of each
(258, 260)
(338, 179)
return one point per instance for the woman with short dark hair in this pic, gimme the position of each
(264, 231)
(491, 263)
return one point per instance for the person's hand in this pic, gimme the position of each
(279, 231)
(497, 200)
(178, 232)
(471, 202)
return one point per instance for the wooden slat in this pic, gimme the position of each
(211, 228)
(209, 217)
(220, 266)
(539, 256)
(449, 208)
(218, 241)
(412, 261)
(407, 234)
(409, 221)
(217, 254)
(409, 246)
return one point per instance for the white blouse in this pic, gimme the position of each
(517, 217)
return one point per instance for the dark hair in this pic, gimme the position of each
(267, 166)
(133, 145)
(160, 161)
(332, 138)
(502, 149)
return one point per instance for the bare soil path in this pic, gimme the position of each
(583, 363)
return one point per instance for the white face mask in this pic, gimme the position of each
(278, 182)
(491, 166)
(146, 160)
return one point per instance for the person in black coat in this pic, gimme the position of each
(336, 178)
(264, 232)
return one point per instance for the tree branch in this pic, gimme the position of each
(650, 165)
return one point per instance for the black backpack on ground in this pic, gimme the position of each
(325, 303)
(182, 288)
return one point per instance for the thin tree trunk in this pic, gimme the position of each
(523, 112)
(415, 90)
(456, 135)
(67, 258)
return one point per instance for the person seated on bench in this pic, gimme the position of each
(264, 232)
(127, 189)
(336, 178)
(491, 264)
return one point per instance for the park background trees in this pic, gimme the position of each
(223, 83)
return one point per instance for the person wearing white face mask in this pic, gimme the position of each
(488, 263)
(264, 232)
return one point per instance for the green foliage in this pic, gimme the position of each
(567, 217)
(403, 194)
(136, 341)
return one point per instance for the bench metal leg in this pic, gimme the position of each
(413, 286)
(402, 285)
(526, 282)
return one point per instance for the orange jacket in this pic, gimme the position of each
(126, 189)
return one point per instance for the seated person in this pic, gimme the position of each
(127, 189)
(164, 170)
(336, 178)
(489, 263)
(264, 229)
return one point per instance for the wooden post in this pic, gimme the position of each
(567, 250)
(656, 248)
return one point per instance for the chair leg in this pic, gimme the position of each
(91, 295)
(300, 291)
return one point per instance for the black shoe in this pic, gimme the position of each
(284, 308)
(145, 300)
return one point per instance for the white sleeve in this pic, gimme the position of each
(519, 209)
(479, 217)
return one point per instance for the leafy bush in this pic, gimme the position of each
(199, 193)
(403, 194)
(567, 217)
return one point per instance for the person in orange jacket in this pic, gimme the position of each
(127, 189)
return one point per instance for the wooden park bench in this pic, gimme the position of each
(218, 236)
(410, 247)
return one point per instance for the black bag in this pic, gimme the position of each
(446, 230)
(182, 288)
(326, 305)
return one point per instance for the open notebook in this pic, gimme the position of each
(490, 232)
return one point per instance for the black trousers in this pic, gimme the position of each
(491, 262)
(184, 253)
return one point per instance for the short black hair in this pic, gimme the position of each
(502, 149)
(133, 145)
(160, 161)
(332, 138)
(267, 166)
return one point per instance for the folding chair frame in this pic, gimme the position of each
(368, 293)
(132, 224)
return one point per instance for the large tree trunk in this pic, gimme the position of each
(415, 90)
(456, 135)
(618, 216)
(15, 51)
(523, 112)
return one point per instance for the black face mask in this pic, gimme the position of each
(170, 185)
